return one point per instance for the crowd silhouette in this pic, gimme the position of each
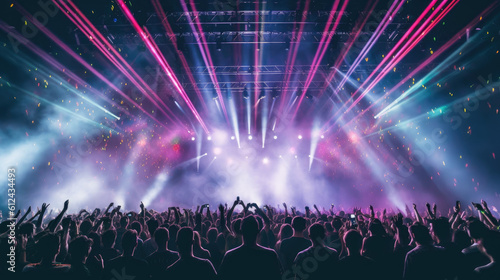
(243, 241)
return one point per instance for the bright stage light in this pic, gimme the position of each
(250, 137)
(275, 137)
(353, 137)
(322, 136)
(300, 137)
(209, 138)
(232, 137)
(192, 139)
(265, 161)
(217, 151)
(295, 156)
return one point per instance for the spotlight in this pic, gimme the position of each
(250, 137)
(300, 137)
(246, 95)
(322, 136)
(214, 95)
(192, 138)
(209, 138)
(265, 161)
(295, 156)
(287, 43)
(275, 93)
(217, 151)
(232, 137)
(275, 137)
(262, 94)
(299, 92)
(218, 43)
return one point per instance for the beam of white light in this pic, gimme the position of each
(264, 120)
(157, 187)
(315, 134)
(199, 139)
(249, 115)
(233, 115)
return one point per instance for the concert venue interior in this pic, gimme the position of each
(188, 102)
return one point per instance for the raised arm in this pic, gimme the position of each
(261, 213)
(23, 217)
(317, 210)
(484, 217)
(34, 216)
(417, 215)
(223, 227)
(429, 211)
(39, 222)
(59, 217)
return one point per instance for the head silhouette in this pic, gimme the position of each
(79, 249)
(109, 238)
(185, 239)
(129, 242)
(317, 233)
(353, 241)
(161, 237)
(420, 234)
(249, 229)
(441, 229)
(48, 246)
(298, 224)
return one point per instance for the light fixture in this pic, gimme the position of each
(246, 95)
(218, 43)
(262, 94)
(275, 93)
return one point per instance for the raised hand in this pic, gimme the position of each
(478, 206)
(414, 206)
(236, 202)
(485, 205)
(456, 208)
(44, 207)
(66, 203)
